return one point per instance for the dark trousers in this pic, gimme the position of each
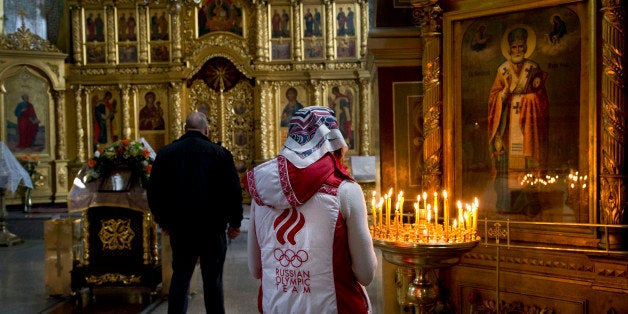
(186, 251)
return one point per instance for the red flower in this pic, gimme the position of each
(149, 168)
(146, 153)
(91, 163)
(125, 142)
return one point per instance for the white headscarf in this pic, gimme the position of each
(313, 133)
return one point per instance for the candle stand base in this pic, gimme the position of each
(422, 292)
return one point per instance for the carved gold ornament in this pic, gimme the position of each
(113, 278)
(116, 234)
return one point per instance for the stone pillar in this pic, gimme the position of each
(614, 137)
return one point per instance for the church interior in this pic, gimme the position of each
(510, 116)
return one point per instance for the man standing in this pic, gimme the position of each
(194, 192)
(27, 123)
(517, 117)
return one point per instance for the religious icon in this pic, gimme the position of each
(104, 111)
(127, 54)
(220, 15)
(291, 106)
(152, 114)
(520, 121)
(159, 26)
(27, 123)
(518, 115)
(342, 104)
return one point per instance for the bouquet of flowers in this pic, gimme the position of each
(122, 153)
(30, 163)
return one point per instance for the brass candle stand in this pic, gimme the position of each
(415, 248)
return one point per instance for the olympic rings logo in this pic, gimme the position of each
(289, 257)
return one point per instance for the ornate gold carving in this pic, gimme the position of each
(296, 22)
(113, 278)
(364, 14)
(429, 15)
(111, 35)
(62, 176)
(329, 19)
(116, 234)
(126, 111)
(24, 40)
(143, 45)
(266, 121)
(260, 10)
(613, 181)
(176, 125)
(53, 67)
(80, 132)
(175, 24)
(225, 45)
(59, 103)
(76, 34)
(536, 262)
(365, 114)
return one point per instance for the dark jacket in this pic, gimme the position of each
(194, 186)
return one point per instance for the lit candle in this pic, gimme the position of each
(460, 213)
(425, 200)
(429, 213)
(435, 209)
(388, 207)
(445, 210)
(401, 199)
(475, 214)
(417, 210)
(381, 209)
(374, 211)
(397, 218)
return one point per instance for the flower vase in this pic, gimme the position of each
(28, 201)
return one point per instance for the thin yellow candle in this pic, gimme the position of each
(475, 214)
(435, 209)
(429, 213)
(400, 200)
(467, 213)
(460, 212)
(416, 214)
(381, 209)
(418, 209)
(425, 200)
(388, 205)
(445, 210)
(374, 210)
(397, 218)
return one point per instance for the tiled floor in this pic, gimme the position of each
(22, 282)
